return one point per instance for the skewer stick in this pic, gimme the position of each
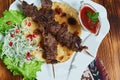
(53, 69)
(87, 52)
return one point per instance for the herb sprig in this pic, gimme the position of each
(93, 16)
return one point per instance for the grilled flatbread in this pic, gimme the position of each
(67, 14)
(64, 14)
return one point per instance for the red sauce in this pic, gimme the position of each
(91, 26)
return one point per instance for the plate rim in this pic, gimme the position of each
(101, 36)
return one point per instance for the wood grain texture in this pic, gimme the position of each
(109, 50)
(5, 74)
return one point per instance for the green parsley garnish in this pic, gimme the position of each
(93, 16)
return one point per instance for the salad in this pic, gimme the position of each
(15, 48)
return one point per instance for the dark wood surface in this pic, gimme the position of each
(109, 50)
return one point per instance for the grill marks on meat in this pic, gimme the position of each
(53, 27)
(62, 35)
(29, 10)
(44, 16)
(46, 4)
(53, 31)
(50, 48)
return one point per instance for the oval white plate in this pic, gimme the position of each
(81, 60)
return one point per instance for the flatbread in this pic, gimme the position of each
(63, 52)
(70, 13)
(34, 26)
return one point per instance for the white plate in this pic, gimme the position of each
(81, 60)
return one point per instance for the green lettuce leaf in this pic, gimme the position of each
(9, 19)
(1, 44)
(28, 70)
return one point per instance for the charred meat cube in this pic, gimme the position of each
(29, 10)
(46, 3)
(50, 47)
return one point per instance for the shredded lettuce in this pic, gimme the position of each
(12, 16)
(28, 69)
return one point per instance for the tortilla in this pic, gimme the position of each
(66, 12)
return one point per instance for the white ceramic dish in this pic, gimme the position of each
(83, 4)
(80, 61)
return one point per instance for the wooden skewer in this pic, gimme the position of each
(87, 52)
(53, 69)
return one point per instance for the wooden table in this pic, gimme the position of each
(109, 50)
